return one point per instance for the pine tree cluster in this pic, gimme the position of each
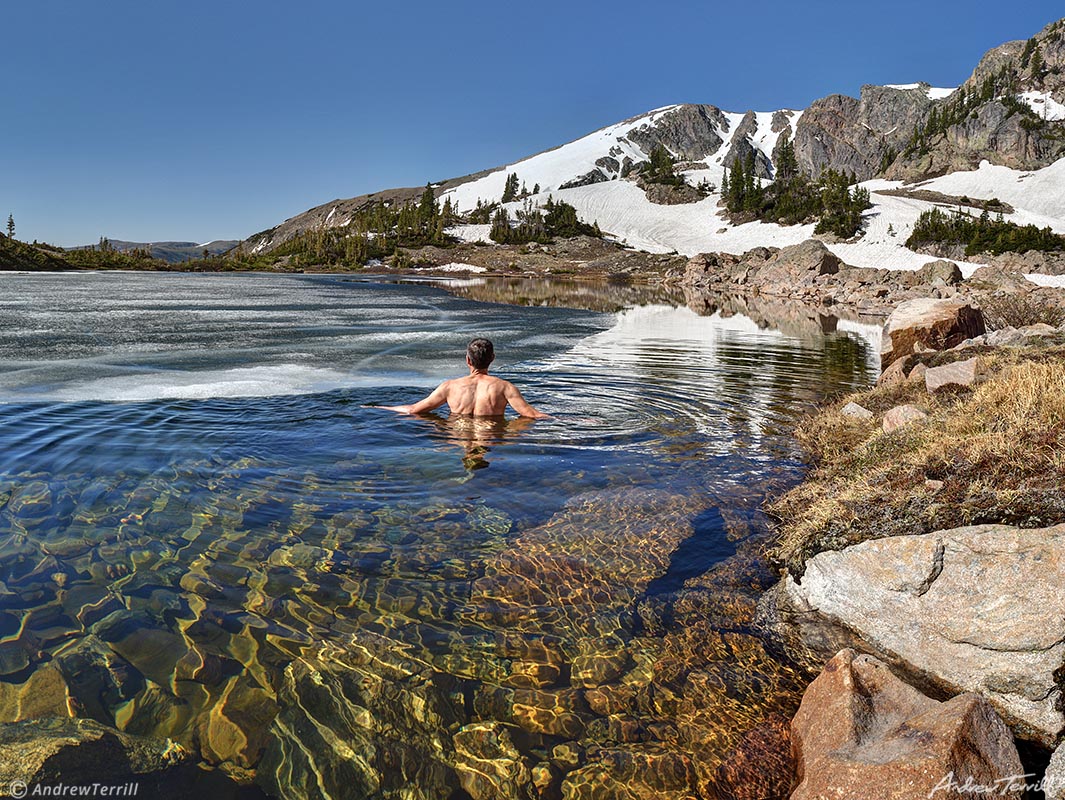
(512, 191)
(660, 168)
(793, 198)
(982, 234)
(556, 218)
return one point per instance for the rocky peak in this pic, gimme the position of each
(740, 146)
(689, 132)
(997, 128)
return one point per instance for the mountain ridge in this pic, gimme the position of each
(905, 133)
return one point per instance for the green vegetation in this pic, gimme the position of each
(540, 225)
(981, 234)
(379, 230)
(19, 255)
(512, 191)
(792, 198)
(10, 226)
(660, 168)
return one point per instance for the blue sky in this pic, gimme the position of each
(202, 120)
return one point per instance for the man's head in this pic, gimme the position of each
(480, 353)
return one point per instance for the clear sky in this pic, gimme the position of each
(148, 120)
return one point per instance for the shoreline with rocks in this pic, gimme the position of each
(929, 536)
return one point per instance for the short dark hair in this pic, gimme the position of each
(480, 353)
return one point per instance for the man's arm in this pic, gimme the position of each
(434, 400)
(518, 403)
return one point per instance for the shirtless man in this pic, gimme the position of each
(478, 394)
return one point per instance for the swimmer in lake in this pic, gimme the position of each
(477, 394)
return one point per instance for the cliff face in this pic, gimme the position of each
(1021, 126)
(853, 135)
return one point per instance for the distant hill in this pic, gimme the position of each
(172, 252)
(16, 255)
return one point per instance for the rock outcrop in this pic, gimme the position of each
(855, 135)
(928, 323)
(998, 130)
(861, 730)
(810, 272)
(740, 147)
(975, 609)
(689, 131)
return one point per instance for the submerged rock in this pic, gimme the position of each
(861, 729)
(81, 751)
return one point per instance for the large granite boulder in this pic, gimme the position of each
(970, 609)
(928, 323)
(1054, 779)
(861, 730)
(796, 265)
(1000, 279)
(942, 270)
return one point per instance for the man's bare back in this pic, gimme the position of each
(477, 394)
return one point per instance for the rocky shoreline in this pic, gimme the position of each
(955, 431)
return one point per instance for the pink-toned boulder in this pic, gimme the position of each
(928, 324)
(958, 375)
(901, 416)
(862, 732)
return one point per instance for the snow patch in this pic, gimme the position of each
(470, 234)
(456, 267)
(1045, 106)
(933, 92)
(1047, 280)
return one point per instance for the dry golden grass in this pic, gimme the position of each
(998, 450)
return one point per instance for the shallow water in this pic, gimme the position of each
(193, 495)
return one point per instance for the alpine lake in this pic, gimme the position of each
(209, 535)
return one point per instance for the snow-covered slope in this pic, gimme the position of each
(623, 211)
(568, 163)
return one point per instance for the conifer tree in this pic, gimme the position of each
(11, 226)
(500, 231)
(1037, 63)
(510, 190)
(427, 208)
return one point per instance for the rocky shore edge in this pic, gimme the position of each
(923, 560)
